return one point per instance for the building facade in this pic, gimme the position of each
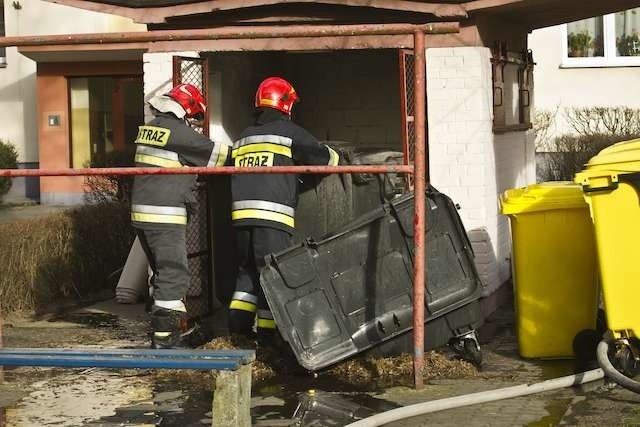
(587, 63)
(31, 107)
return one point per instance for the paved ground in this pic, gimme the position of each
(15, 212)
(95, 397)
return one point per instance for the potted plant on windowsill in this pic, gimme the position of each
(628, 44)
(579, 44)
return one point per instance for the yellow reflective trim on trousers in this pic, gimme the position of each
(259, 214)
(242, 305)
(261, 148)
(157, 161)
(266, 323)
(158, 219)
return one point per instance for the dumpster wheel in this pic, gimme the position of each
(468, 348)
(623, 356)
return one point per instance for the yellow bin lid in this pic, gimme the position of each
(620, 158)
(542, 197)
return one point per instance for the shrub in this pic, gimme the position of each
(62, 257)
(8, 160)
(559, 158)
(568, 154)
(103, 189)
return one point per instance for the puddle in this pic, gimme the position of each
(551, 369)
(94, 397)
(556, 408)
(92, 320)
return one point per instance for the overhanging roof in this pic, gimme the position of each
(531, 14)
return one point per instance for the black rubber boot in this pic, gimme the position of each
(174, 329)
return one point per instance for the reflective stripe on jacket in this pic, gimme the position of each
(168, 142)
(270, 200)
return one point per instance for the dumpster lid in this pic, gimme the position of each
(603, 169)
(621, 157)
(542, 197)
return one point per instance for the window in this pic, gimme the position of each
(605, 41)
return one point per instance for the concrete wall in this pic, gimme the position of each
(467, 160)
(561, 86)
(349, 96)
(345, 96)
(18, 79)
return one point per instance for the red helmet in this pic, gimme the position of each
(276, 93)
(189, 98)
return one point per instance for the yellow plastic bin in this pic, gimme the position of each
(611, 185)
(554, 267)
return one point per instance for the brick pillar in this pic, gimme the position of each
(467, 161)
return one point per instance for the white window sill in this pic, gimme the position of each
(601, 62)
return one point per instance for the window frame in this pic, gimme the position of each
(610, 59)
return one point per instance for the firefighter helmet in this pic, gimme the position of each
(277, 93)
(189, 98)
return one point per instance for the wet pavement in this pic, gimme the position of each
(100, 397)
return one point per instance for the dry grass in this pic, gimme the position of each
(361, 372)
(61, 257)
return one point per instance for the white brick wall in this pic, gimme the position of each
(467, 161)
(158, 74)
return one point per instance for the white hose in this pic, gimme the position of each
(475, 398)
(611, 371)
(134, 276)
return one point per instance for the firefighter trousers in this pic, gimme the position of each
(254, 243)
(165, 247)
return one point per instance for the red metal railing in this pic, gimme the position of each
(226, 170)
(418, 170)
(248, 32)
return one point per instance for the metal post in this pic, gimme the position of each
(419, 265)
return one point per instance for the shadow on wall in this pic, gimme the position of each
(485, 259)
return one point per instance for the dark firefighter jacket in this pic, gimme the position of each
(269, 200)
(167, 142)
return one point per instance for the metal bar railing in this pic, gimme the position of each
(225, 170)
(231, 33)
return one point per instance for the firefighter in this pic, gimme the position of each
(160, 205)
(263, 207)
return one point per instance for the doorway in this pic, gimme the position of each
(105, 114)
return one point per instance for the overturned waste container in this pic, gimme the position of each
(352, 291)
(327, 202)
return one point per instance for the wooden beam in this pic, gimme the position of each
(488, 4)
(155, 15)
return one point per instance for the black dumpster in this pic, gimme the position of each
(352, 291)
(327, 203)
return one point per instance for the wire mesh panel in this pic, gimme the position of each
(407, 95)
(199, 295)
(194, 71)
(198, 254)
